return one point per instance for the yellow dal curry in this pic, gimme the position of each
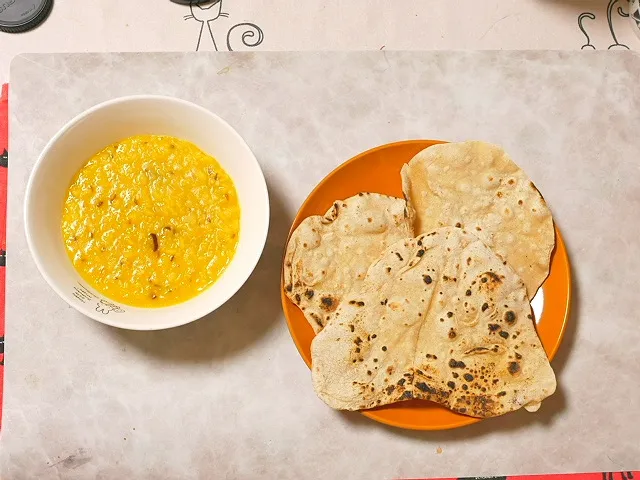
(151, 221)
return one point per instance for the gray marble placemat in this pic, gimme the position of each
(228, 396)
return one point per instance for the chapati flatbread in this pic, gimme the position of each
(476, 186)
(329, 255)
(441, 318)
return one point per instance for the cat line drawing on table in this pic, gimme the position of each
(251, 35)
(616, 45)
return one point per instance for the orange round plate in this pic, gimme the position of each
(378, 170)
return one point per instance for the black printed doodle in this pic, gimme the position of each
(581, 18)
(250, 35)
(1, 350)
(614, 475)
(635, 16)
(4, 159)
(610, 13)
(105, 307)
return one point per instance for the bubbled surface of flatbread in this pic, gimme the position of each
(329, 255)
(441, 318)
(476, 186)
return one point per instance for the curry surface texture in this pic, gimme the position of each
(151, 221)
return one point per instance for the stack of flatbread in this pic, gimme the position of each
(428, 297)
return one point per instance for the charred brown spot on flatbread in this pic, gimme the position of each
(423, 387)
(328, 303)
(510, 317)
(491, 280)
(317, 319)
(476, 350)
(456, 364)
(407, 395)
(331, 215)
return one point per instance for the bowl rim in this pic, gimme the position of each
(185, 318)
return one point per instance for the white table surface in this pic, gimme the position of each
(228, 396)
(159, 25)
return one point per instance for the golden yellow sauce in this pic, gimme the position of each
(151, 221)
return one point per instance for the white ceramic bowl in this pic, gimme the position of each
(105, 124)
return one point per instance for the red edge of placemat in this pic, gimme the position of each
(627, 475)
(4, 147)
